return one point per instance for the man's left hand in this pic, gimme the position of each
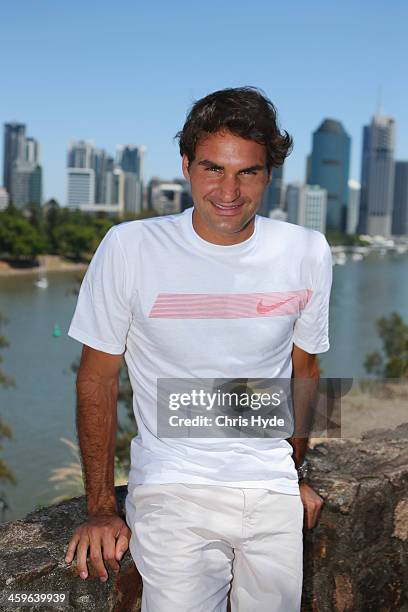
(312, 503)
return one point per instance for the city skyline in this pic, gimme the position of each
(64, 81)
(305, 177)
(328, 199)
(98, 181)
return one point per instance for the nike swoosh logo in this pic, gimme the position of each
(264, 308)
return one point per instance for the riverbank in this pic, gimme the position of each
(47, 263)
(382, 407)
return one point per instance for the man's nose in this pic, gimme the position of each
(229, 188)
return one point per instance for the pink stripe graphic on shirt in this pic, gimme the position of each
(229, 305)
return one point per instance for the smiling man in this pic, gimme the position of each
(216, 292)
(226, 197)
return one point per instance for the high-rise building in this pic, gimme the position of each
(133, 193)
(154, 181)
(100, 161)
(83, 154)
(353, 207)
(115, 205)
(22, 173)
(292, 197)
(308, 168)
(186, 196)
(307, 205)
(273, 195)
(110, 193)
(4, 198)
(80, 173)
(80, 154)
(119, 190)
(32, 151)
(81, 187)
(329, 168)
(167, 198)
(117, 185)
(14, 149)
(129, 158)
(278, 214)
(377, 176)
(26, 183)
(400, 208)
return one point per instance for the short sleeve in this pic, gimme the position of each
(102, 315)
(311, 330)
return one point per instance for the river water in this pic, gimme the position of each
(41, 407)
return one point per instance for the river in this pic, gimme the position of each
(41, 407)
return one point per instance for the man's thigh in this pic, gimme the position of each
(268, 567)
(178, 546)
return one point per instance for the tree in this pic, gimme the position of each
(18, 238)
(144, 214)
(392, 362)
(69, 477)
(75, 240)
(126, 430)
(52, 216)
(336, 238)
(102, 225)
(5, 432)
(35, 215)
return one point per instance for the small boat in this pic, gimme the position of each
(42, 282)
(56, 332)
(340, 258)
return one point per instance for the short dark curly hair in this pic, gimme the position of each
(244, 111)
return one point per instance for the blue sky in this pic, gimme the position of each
(126, 72)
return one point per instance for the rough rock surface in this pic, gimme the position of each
(356, 559)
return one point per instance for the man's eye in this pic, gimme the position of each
(214, 169)
(248, 172)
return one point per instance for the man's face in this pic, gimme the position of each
(228, 177)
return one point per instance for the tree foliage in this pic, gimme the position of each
(5, 432)
(18, 238)
(75, 240)
(392, 361)
(126, 429)
(55, 230)
(336, 238)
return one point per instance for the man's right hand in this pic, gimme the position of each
(107, 538)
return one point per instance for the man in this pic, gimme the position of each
(216, 291)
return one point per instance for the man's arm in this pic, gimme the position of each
(97, 391)
(306, 379)
(104, 533)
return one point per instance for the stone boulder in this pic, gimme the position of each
(355, 559)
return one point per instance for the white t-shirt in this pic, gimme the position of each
(182, 307)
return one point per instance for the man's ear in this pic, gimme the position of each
(185, 164)
(269, 175)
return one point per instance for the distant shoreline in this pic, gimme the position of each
(48, 263)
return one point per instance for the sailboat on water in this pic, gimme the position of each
(42, 282)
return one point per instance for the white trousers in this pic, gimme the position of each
(194, 544)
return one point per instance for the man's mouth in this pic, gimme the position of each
(226, 206)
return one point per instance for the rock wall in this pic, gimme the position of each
(356, 559)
